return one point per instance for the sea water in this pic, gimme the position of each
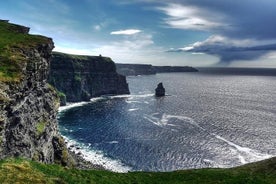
(205, 120)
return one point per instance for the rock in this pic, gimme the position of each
(160, 90)
(61, 153)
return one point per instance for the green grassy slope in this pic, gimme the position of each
(23, 171)
(12, 45)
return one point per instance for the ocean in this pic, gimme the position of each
(211, 118)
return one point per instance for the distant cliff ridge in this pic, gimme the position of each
(145, 69)
(28, 105)
(168, 69)
(135, 69)
(79, 78)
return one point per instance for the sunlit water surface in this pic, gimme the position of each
(204, 121)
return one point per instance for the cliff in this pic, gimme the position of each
(80, 78)
(135, 69)
(28, 105)
(169, 69)
(142, 69)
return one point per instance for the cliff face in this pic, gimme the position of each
(83, 77)
(28, 105)
(142, 69)
(135, 69)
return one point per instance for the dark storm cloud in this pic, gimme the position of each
(228, 53)
(246, 20)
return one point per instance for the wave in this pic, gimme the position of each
(129, 96)
(71, 105)
(97, 157)
(92, 100)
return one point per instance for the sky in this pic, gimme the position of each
(226, 33)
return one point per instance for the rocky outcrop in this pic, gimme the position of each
(142, 69)
(28, 105)
(79, 78)
(160, 90)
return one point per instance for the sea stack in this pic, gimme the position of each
(160, 90)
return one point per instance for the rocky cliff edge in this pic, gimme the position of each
(28, 105)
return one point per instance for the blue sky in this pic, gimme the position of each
(171, 32)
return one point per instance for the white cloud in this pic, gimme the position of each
(128, 49)
(97, 27)
(126, 32)
(189, 17)
(135, 49)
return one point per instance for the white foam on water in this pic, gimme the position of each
(142, 95)
(96, 99)
(185, 119)
(132, 101)
(246, 155)
(97, 157)
(71, 105)
(135, 109)
(130, 96)
(78, 104)
(159, 121)
(165, 120)
(119, 96)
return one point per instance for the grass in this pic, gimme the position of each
(40, 126)
(81, 57)
(61, 94)
(23, 171)
(12, 45)
(71, 56)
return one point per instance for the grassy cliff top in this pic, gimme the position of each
(14, 39)
(81, 63)
(81, 57)
(24, 171)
